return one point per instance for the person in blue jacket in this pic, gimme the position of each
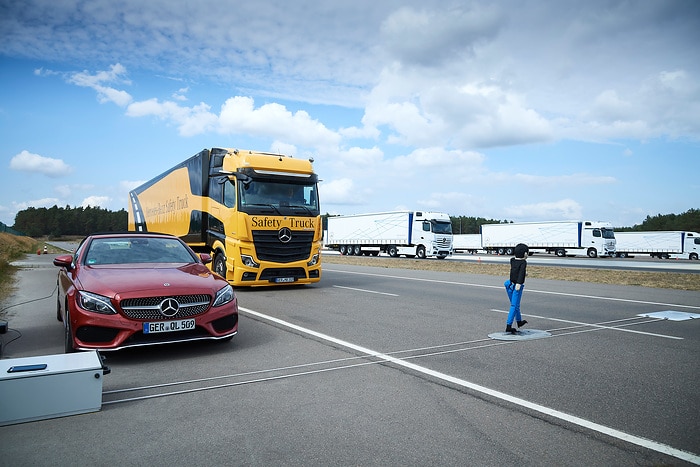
(514, 287)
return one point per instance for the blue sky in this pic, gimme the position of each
(520, 110)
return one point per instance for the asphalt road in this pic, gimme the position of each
(376, 366)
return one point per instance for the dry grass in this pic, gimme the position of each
(12, 247)
(660, 280)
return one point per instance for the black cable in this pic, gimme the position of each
(19, 334)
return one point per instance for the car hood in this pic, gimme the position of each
(149, 279)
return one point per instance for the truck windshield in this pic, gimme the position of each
(282, 198)
(608, 233)
(442, 227)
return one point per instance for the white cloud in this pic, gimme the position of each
(26, 161)
(96, 201)
(116, 74)
(563, 209)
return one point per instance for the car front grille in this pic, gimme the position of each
(149, 307)
(268, 246)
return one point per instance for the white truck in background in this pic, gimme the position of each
(410, 233)
(469, 243)
(562, 238)
(660, 244)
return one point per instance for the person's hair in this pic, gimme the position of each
(521, 250)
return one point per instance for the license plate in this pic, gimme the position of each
(284, 279)
(168, 326)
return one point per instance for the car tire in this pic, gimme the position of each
(58, 309)
(67, 336)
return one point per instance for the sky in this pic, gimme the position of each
(526, 110)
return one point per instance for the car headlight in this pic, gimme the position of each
(95, 303)
(224, 296)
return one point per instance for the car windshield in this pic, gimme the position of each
(129, 250)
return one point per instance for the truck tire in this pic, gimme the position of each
(693, 257)
(560, 252)
(357, 251)
(392, 251)
(501, 251)
(509, 251)
(420, 252)
(592, 253)
(220, 265)
(343, 250)
(622, 254)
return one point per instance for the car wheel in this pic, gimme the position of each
(68, 335)
(220, 265)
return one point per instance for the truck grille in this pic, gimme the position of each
(268, 246)
(443, 242)
(149, 307)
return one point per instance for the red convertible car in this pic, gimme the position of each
(133, 289)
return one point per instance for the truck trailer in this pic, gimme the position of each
(660, 244)
(562, 238)
(256, 214)
(470, 243)
(409, 233)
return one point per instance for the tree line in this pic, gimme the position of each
(56, 222)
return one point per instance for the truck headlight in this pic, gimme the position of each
(314, 260)
(248, 260)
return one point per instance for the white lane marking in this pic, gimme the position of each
(601, 325)
(565, 294)
(365, 290)
(612, 432)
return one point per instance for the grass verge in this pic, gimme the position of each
(659, 280)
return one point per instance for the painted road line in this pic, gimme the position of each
(612, 432)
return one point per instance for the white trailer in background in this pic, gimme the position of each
(563, 238)
(471, 243)
(660, 244)
(410, 233)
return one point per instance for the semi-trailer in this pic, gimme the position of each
(562, 238)
(410, 233)
(469, 243)
(257, 214)
(660, 244)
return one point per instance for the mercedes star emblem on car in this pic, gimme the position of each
(169, 307)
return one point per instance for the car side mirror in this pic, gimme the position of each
(205, 257)
(64, 261)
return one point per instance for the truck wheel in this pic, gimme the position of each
(560, 252)
(622, 254)
(420, 252)
(343, 250)
(392, 251)
(357, 250)
(220, 265)
(501, 251)
(509, 251)
(693, 257)
(664, 256)
(592, 253)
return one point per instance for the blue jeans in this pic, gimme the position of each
(514, 296)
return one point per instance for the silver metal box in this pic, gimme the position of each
(50, 386)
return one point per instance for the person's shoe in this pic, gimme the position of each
(510, 330)
(522, 323)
